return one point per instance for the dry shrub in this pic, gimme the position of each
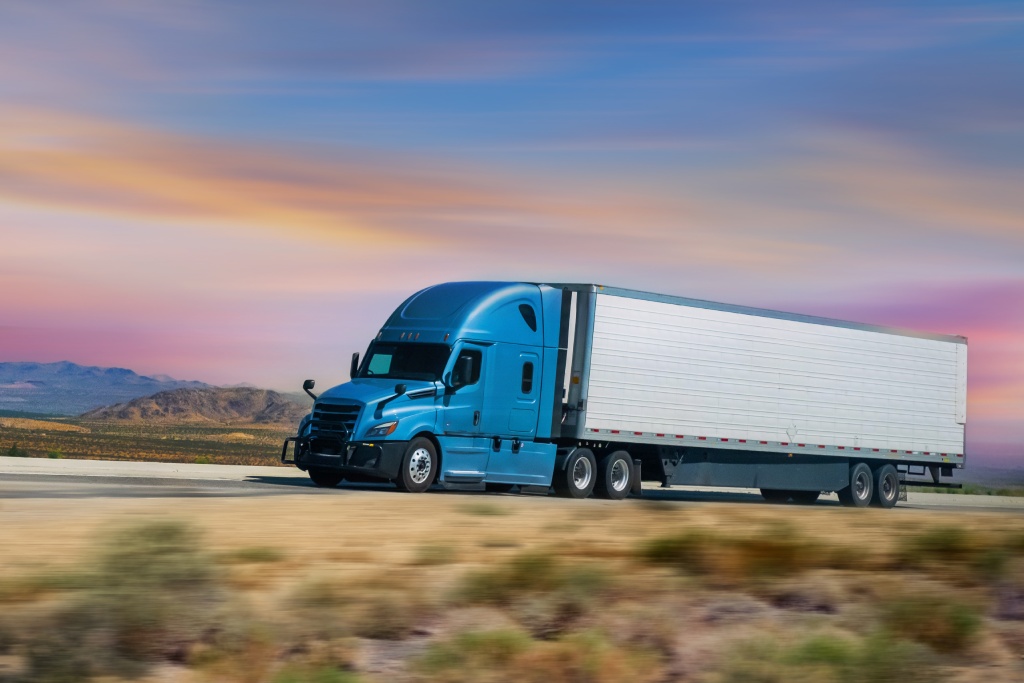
(540, 591)
(826, 658)
(956, 555)
(252, 555)
(434, 555)
(152, 594)
(509, 655)
(326, 610)
(933, 618)
(729, 560)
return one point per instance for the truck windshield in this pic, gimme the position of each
(405, 361)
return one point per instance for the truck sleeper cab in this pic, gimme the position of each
(589, 389)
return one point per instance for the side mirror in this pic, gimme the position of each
(399, 389)
(353, 369)
(307, 385)
(462, 371)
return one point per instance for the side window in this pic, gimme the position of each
(467, 368)
(527, 385)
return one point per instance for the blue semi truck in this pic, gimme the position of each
(588, 389)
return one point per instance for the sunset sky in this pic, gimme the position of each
(243, 191)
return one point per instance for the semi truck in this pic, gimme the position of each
(589, 389)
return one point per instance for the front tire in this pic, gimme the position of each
(858, 494)
(887, 487)
(419, 466)
(325, 478)
(615, 476)
(579, 476)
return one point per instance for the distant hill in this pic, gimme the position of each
(67, 388)
(237, 405)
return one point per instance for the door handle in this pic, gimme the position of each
(476, 418)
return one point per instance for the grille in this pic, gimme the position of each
(333, 421)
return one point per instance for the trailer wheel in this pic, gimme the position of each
(325, 478)
(419, 466)
(775, 495)
(858, 494)
(887, 487)
(615, 476)
(804, 497)
(578, 478)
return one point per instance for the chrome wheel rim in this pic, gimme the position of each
(582, 471)
(419, 465)
(619, 475)
(888, 486)
(861, 486)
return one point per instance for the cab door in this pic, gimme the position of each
(460, 417)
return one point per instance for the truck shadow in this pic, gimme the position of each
(656, 496)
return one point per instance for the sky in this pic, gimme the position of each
(243, 191)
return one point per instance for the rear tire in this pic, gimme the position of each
(324, 478)
(614, 476)
(861, 489)
(579, 476)
(419, 466)
(887, 487)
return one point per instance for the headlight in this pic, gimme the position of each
(383, 429)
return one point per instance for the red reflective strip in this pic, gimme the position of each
(875, 450)
(765, 443)
(703, 438)
(800, 445)
(743, 440)
(659, 435)
(783, 443)
(856, 448)
(894, 451)
(927, 453)
(820, 446)
(842, 448)
(615, 431)
(680, 436)
(638, 433)
(725, 439)
(909, 452)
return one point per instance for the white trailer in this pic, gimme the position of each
(704, 393)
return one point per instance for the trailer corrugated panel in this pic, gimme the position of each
(662, 370)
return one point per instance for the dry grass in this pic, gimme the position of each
(380, 586)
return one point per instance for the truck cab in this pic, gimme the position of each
(460, 386)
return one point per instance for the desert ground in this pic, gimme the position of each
(366, 584)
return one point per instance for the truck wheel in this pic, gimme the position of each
(887, 487)
(804, 497)
(419, 466)
(324, 478)
(775, 495)
(578, 478)
(615, 476)
(858, 493)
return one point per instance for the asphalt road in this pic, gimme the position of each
(39, 478)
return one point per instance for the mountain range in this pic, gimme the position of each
(67, 388)
(234, 405)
